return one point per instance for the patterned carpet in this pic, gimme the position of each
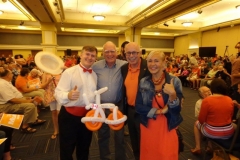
(39, 146)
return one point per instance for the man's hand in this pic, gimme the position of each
(73, 94)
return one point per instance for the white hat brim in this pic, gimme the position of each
(49, 62)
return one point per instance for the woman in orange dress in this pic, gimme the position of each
(159, 104)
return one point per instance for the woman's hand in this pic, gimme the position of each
(162, 111)
(169, 88)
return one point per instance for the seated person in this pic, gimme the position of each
(193, 76)
(13, 102)
(215, 116)
(203, 92)
(222, 73)
(184, 75)
(5, 147)
(20, 60)
(209, 76)
(25, 88)
(13, 67)
(204, 70)
(2, 146)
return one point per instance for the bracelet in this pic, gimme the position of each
(173, 102)
(160, 111)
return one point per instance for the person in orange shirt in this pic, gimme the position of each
(12, 101)
(215, 116)
(132, 72)
(22, 84)
(159, 102)
(193, 77)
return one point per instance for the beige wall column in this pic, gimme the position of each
(133, 35)
(195, 41)
(49, 37)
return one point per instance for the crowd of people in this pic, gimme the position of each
(148, 91)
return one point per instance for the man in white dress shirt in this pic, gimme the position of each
(13, 102)
(73, 83)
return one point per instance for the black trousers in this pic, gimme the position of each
(8, 134)
(73, 134)
(134, 130)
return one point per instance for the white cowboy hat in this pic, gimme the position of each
(49, 62)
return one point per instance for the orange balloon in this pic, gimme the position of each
(116, 126)
(92, 126)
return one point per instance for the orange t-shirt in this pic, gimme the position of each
(20, 82)
(131, 84)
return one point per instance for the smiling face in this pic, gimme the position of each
(133, 53)
(88, 56)
(156, 62)
(110, 53)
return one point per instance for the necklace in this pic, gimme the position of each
(159, 81)
(158, 92)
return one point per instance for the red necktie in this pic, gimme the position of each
(86, 70)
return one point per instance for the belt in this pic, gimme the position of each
(129, 106)
(76, 110)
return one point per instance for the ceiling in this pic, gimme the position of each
(76, 16)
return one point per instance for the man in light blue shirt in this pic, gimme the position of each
(109, 75)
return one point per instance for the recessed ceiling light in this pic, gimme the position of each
(90, 30)
(21, 27)
(99, 17)
(238, 7)
(187, 24)
(188, 16)
(157, 33)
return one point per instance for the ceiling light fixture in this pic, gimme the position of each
(1, 12)
(238, 7)
(187, 24)
(99, 17)
(174, 20)
(199, 11)
(165, 24)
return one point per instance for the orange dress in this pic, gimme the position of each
(156, 141)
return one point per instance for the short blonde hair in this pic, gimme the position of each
(158, 53)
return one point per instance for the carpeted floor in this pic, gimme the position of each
(39, 146)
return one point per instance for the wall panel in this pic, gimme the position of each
(157, 43)
(181, 45)
(224, 37)
(20, 39)
(70, 40)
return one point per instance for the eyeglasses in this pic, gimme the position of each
(133, 53)
(108, 52)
